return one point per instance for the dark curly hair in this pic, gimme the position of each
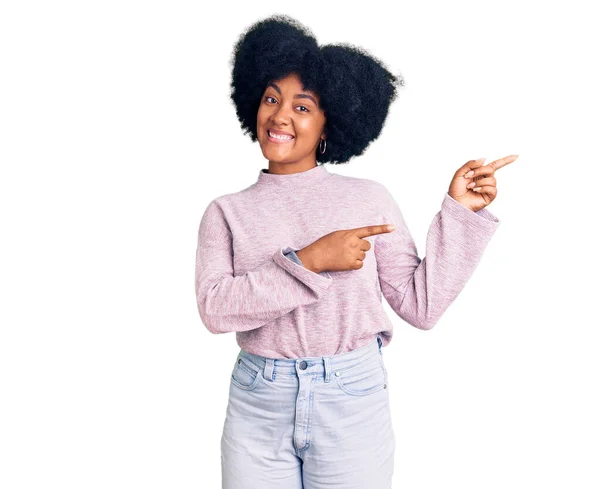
(354, 87)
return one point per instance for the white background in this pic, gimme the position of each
(116, 131)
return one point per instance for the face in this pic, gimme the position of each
(286, 108)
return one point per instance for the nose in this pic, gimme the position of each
(281, 116)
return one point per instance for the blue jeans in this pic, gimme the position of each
(309, 423)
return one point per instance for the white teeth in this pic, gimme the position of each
(277, 136)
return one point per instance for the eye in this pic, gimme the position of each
(272, 98)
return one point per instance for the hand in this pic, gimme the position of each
(462, 187)
(340, 250)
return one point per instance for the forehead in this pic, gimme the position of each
(293, 84)
(292, 79)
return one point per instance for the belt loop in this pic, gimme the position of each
(327, 369)
(269, 369)
(379, 342)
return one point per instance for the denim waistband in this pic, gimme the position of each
(321, 366)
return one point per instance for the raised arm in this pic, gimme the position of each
(420, 290)
(228, 303)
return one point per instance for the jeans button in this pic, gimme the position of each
(303, 365)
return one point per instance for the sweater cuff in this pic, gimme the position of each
(292, 255)
(482, 218)
(318, 281)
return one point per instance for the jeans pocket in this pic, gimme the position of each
(385, 373)
(245, 374)
(364, 378)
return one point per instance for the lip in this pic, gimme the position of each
(279, 140)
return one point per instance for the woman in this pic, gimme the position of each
(296, 265)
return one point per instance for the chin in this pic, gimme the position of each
(275, 156)
(272, 159)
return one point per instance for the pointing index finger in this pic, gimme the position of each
(371, 230)
(497, 164)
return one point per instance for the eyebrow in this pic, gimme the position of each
(298, 95)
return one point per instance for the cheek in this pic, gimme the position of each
(308, 129)
(262, 113)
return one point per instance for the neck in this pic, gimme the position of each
(307, 177)
(289, 168)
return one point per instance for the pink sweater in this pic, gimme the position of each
(279, 309)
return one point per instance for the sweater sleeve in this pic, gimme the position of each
(420, 290)
(229, 303)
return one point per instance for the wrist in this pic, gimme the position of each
(307, 260)
(460, 201)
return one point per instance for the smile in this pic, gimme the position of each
(276, 138)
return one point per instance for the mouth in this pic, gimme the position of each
(279, 138)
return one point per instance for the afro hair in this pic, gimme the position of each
(354, 87)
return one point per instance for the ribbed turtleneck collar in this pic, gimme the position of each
(292, 180)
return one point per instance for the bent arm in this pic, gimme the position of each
(420, 290)
(228, 303)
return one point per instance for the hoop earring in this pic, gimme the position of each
(323, 149)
